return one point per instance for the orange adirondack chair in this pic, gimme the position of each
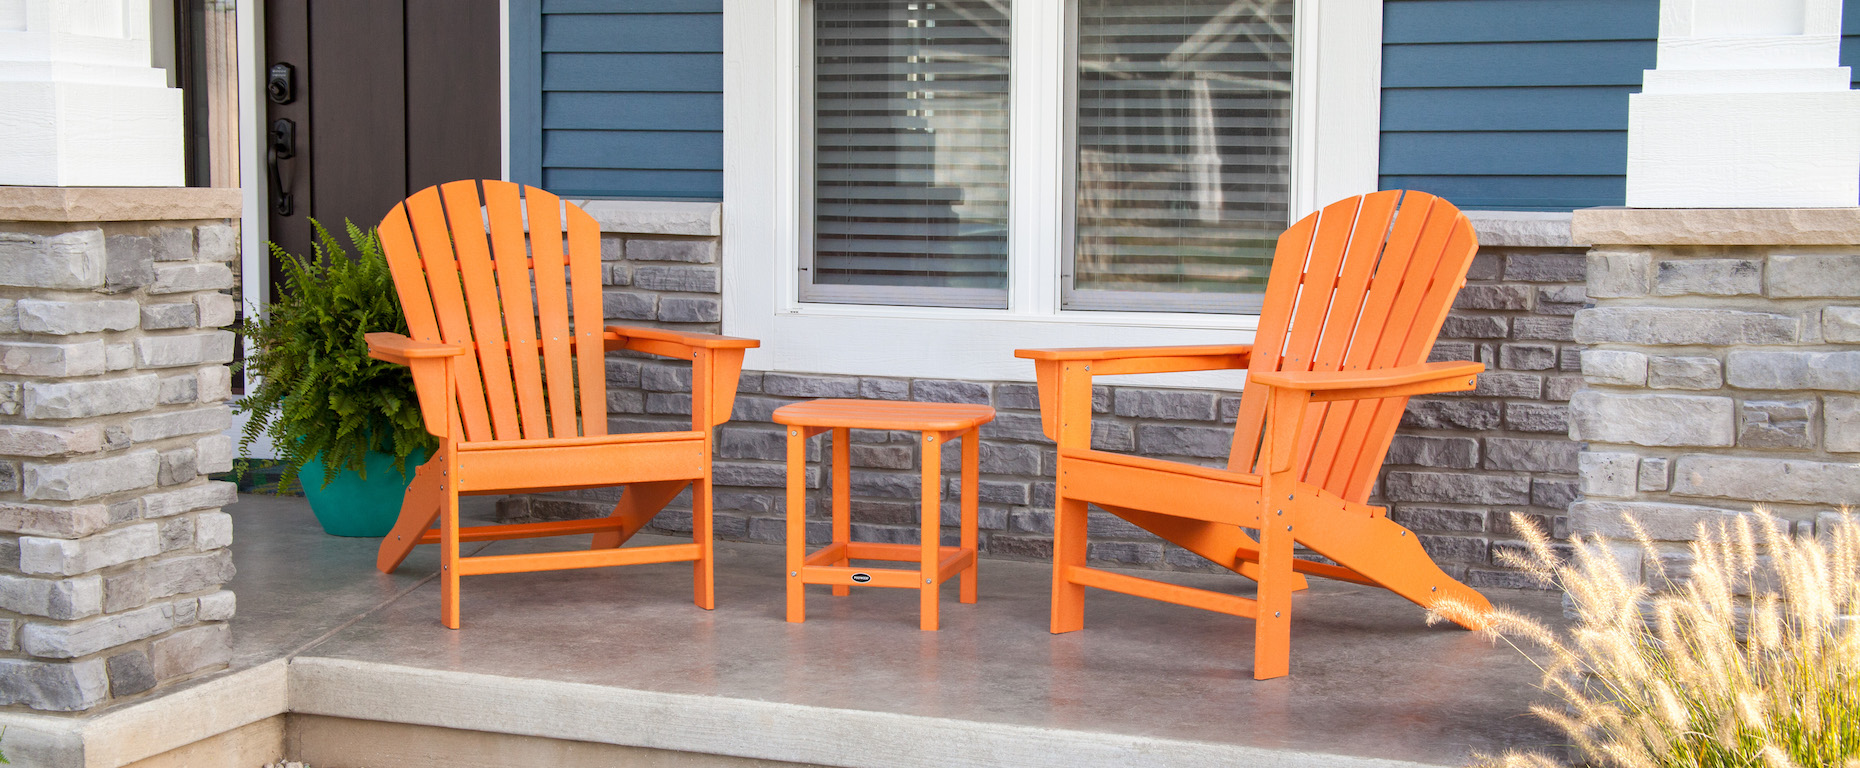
(517, 393)
(1356, 296)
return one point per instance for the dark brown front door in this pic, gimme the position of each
(386, 97)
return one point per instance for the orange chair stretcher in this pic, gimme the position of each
(516, 391)
(1355, 299)
(939, 423)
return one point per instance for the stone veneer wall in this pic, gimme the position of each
(1724, 370)
(1460, 464)
(113, 389)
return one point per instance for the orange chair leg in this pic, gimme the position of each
(417, 512)
(971, 502)
(842, 499)
(449, 555)
(931, 536)
(703, 572)
(1068, 551)
(797, 523)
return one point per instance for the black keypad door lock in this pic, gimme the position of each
(281, 84)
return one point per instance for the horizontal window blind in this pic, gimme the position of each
(910, 154)
(1183, 141)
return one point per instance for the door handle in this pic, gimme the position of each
(281, 145)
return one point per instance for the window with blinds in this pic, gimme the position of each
(910, 153)
(1182, 172)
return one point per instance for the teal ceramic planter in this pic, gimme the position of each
(351, 506)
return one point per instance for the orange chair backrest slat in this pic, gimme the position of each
(1363, 284)
(466, 272)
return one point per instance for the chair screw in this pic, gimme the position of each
(926, 581)
(1275, 614)
(794, 573)
(1436, 589)
(1288, 527)
(1281, 511)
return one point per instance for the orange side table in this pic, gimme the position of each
(939, 423)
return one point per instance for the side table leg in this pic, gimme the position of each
(842, 498)
(930, 538)
(971, 462)
(797, 523)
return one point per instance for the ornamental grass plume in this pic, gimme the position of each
(1752, 660)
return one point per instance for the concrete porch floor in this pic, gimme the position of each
(621, 656)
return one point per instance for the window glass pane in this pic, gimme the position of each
(1183, 151)
(910, 152)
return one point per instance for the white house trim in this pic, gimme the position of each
(1336, 132)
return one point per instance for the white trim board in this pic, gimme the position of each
(1336, 131)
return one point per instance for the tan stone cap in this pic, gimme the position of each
(1716, 226)
(118, 203)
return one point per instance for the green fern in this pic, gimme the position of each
(319, 393)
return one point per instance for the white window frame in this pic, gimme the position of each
(1336, 129)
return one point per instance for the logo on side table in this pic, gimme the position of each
(861, 578)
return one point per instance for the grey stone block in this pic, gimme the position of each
(1539, 267)
(1618, 274)
(1173, 440)
(863, 455)
(1527, 357)
(1439, 452)
(208, 495)
(1684, 372)
(629, 305)
(1416, 517)
(213, 454)
(218, 606)
(798, 385)
(1563, 294)
(1502, 297)
(1509, 453)
(53, 686)
(1766, 479)
(33, 440)
(130, 263)
(1016, 427)
(213, 530)
(1020, 397)
(884, 389)
(69, 557)
(1449, 351)
(215, 310)
(171, 350)
(1614, 367)
(1463, 326)
(160, 317)
(1841, 416)
(1653, 474)
(61, 599)
(1113, 436)
(1708, 277)
(688, 251)
(216, 242)
(83, 638)
(1786, 424)
(1475, 415)
(677, 404)
(75, 480)
(174, 244)
(177, 533)
(676, 278)
(1658, 326)
(63, 521)
(949, 391)
(88, 398)
(194, 421)
(1456, 488)
(1171, 404)
(64, 318)
(1555, 493)
(22, 358)
(1839, 371)
(71, 260)
(665, 377)
(130, 673)
(1009, 459)
(119, 356)
(682, 309)
(1456, 549)
(1814, 275)
(9, 316)
(175, 390)
(1537, 417)
(626, 401)
(191, 650)
(1124, 552)
(735, 442)
(1663, 521)
(186, 278)
(1652, 420)
(1840, 325)
(1544, 328)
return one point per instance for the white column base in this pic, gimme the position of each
(1744, 150)
(76, 134)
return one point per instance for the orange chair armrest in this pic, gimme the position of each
(1418, 379)
(616, 337)
(1127, 353)
(397, 348)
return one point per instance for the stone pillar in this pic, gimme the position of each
(113, 411)
(1723, 371)
(1749, 108)
(84, 106)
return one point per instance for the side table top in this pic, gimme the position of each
(884, 414)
